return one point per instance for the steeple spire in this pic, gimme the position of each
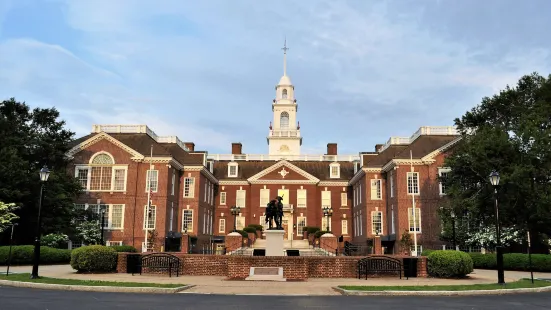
(285, 57)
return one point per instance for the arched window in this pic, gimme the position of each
(102, 174)
(284, 120)
(102, 159)
(284, 94)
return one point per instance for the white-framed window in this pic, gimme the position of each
(114, 214)
(376, 222)
(189, 187)
(240, 198)
(361, 224)
(417, 226)
(173, 182)
(206, 191)
(419, 249)
(222, 226)
(187, 220)
(326, 199)
(301, 223)
(113, 243)
(355, 225)
(102, 174)
(240, 222)
(344, 227)
(392, 183)
(324, 223)
(344, 199)
(222, 198)
(211, 194)
(152, 179)
(149, 218)
(392, 225)
(284, 120)
(413, 183)
(210, 166)
(232, 170)
(264, 197)
(301, 198)
(359, 192)
(335, 170)
(284, 94)
(204, 221)
(442, 174)
(356, 166)
(149, 246)
(376, 189)
(355, 195)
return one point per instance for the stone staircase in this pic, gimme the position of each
(287, 244)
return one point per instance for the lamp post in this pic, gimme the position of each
(327, 212)
(293, 234)
(102, 210)
(11, 243)
(44, 175)
(235, 210)
(494, 179)
(530, 257)
(452, 215)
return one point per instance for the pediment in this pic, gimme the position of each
(99, 137)
(283, 171)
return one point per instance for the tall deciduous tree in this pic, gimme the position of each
(30, 139)
(510, 133)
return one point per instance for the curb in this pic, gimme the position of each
(111, 289)
(444, 293)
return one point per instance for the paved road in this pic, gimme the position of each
(30, 299)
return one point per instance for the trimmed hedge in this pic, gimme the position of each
(320, 233)
(449, 264)
(250, 229)
(256, 226)
(312, 230)
(23, 255)
(513, 261)
(94, 258)
(124, 248)
(243, 233)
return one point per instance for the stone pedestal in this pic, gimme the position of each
(234, 241)
(274, 242)
(329, 243)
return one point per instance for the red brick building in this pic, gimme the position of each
(193, 191)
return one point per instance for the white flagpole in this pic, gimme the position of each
(414, 252)
(148, 197)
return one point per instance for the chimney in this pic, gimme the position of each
(190, 146)
(378, 147)
(236, 148)
(331, 149)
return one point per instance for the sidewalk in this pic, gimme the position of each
(218, 285)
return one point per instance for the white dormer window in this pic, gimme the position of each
(335, 170)
(356, 166)
(210, 166)
(232, 170)
(284, 94)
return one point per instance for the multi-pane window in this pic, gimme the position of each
(264, 197)
(301, 198)
(149, 217)
(119, 179)
(377, 222)
(334, 170)
(325, 199)
(301, 223)
(344, 227)
(414, 225)
(113, 216)
(442, 174)
(344, 199)
(152, 180)
(391, 183)
(187, 220)
(206, 191)
(113, 243)
(324, 223)
(82, 176)
(189, 187)
(222, 198)
(240, 198)
(102, 174)
(232, 170)
(392, 229)
(222, 226)
(240, 222)
(173, 182)
(376, 193)
(413, 183)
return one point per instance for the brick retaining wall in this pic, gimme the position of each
(294, 268)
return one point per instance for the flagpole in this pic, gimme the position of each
(148, 196)
(414, 252)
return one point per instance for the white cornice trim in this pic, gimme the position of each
(360, 173)
(310, 178)
(204, 171)
(333, 183)
(193, 168)
(101, 136)
(441, 150)
(372, 169)
(406, 162)
(229, 182)
(283, 181)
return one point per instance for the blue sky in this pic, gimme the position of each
(206, 70)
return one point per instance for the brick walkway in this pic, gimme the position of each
(217, 285)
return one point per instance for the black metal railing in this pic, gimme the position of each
(351, 249)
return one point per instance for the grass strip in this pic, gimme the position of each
(524, 283)
(25, 277)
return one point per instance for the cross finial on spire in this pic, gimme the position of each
(285, 48)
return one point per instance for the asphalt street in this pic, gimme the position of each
(30, 299)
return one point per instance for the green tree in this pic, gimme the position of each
(7, 217)
(510, 133)
(31, 139)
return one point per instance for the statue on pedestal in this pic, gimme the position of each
(274, 211)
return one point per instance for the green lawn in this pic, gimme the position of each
(25, 277)
(524, 283)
